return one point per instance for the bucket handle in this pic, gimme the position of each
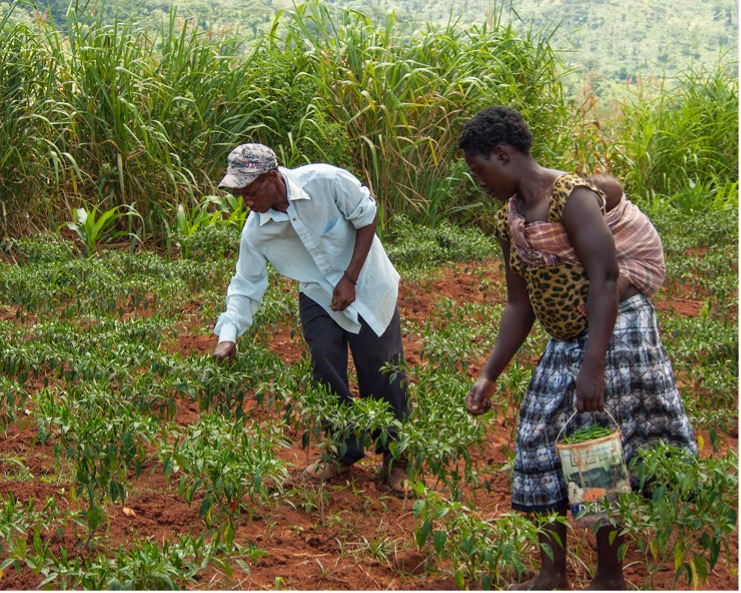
(558, 436)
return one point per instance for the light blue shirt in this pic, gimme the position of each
(312, 243)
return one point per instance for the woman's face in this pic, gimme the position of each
(494, 173)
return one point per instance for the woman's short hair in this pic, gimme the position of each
(494, 126)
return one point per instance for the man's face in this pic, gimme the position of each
(260, 195)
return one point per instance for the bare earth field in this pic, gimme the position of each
(356, 536)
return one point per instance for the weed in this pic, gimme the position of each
(380, 548)
(93, 228)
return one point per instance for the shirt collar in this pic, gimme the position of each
(294, 192)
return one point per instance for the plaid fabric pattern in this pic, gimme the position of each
(640, 393)
(637, 244)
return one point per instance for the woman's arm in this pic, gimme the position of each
(517, 321)
(595, 248)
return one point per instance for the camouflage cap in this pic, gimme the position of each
(245, 163)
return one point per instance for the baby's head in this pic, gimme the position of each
(610, 186)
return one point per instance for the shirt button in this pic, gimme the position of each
(294, 218)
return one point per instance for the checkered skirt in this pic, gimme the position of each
(640, 393)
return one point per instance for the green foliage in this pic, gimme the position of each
(451, 345)
(440, 436)
(690, 515)
(146, 566)
(110, 111)
(13, 397)
(104, 438)
(704, 352)
(117, 112)
(681, 146)
(26, 531)
(589, 433)
(700, 229)
(415, 246)
(43, 247)
(71, 286)
(319, 415)
(484, 553)
(195, 231)
(230, 462)
(23, 92)
(114, 112)
(91, 347)
(402, 98)
(93, 229)
(209, 241)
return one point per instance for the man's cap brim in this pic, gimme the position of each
(236, 181)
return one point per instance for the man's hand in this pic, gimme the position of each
(225, 351)
(478, 400)
(344, 294)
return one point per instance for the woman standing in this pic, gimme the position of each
(586, 274)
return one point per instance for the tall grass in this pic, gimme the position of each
(117, 113)
(680, 146)
(113, 114)
(24, 127)
(105, 114)
(403, 99)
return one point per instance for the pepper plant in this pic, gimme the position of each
(688, 514)
(230, 460)
(483, 553)
(103, 437)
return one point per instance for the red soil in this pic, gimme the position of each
(330, 546)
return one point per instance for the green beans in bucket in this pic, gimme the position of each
(593, 468)
(595, 431)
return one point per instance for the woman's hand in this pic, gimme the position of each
(479, 396)
(590, 390)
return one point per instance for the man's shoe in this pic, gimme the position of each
(321, 471)
(398, 482)
(396, 476)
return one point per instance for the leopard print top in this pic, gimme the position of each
(555, 292)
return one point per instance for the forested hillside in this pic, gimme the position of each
(616, 41)
(621, 39)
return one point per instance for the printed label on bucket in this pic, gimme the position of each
(594, 471)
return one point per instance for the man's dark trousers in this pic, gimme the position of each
(328, 345)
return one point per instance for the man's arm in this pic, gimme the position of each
(344, 292)
(243, 299)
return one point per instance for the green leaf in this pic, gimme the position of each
(440, 539)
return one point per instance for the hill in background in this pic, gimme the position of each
(607, 42)
(621, 41)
